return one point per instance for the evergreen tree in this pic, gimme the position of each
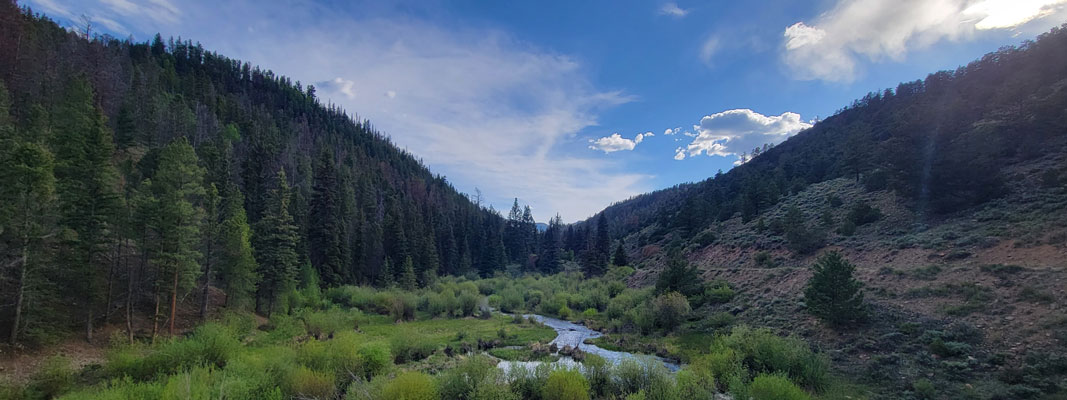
(87, 189)
(237, 267)
(619, 259)
(179, 187)
(407, 275)
(548, 261)
(833, 294)
(596, 260)
(275, 247)
(326, 225)
(210, 230)
(27, 197)
(678, 276)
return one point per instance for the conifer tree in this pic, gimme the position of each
(275, 248)
(678, 276)
(27, 196)
(619, 259)
(179, 187)
(237, 267)
(551, 247)
(596, 260)
(833, 294)
(325, 227)
(87, 190)
(407, 275)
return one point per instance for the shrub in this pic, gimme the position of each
(304, 382)
(692, 385)
(408, 347)
(54, 378)
(325, 323)
(718, 292)
(924, 389)
(468, 304)
(862, 213)
(671, 310)
(511, 301)
(648, 376)
(832, 293)
(464, 381)
(210, 344)
(775, 387)
(367, 390)
(599, 375)
(566, 384)
(375, 359)
(762, 351)
(410, 386)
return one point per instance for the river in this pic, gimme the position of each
(574, 335)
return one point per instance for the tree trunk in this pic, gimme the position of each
(174, 300)
(155, 315)
(129, 295)
(207, 284)
(111, 284)
(21, 290)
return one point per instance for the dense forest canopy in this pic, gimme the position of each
(141, 171)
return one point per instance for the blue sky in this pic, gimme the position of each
(524, 99)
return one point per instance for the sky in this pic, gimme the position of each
(571, 106)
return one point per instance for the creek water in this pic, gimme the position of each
(572, 334)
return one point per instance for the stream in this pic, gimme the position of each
(571, 334)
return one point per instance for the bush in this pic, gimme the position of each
(511, 301)
(862, 213)
(718, 292)
(468, 304)
(408, 347)
(693, 385)
(410, 386)
(470, 375)
(54, 378)
(322, 324)
(565, 384)
(306, 383)
(924, 389)
(648, 376)
(375, 359)
(210, 344)
(598, 373)
(762, 351)
(775, 387)
(671, 310)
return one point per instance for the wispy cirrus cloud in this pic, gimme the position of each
(832, 46)
(672, 10)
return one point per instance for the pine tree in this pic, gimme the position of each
(407, 275)
(179, 187)
(596, 260)
(619, 259)
(87, 189)
(548, 261)
(833, 294)
(325, 227)
(678, 276)
(237, 267)
(27, 196)
(211, 230)
(275, 248)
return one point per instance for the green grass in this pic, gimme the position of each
(523, 354)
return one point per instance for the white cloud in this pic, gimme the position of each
(615, 142)
(733, 132)
(672, 9)
(672, 131)
(708, 49)
(830, 47)
(106, 13)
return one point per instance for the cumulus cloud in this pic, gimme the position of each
(733, 132)
(830, 47)
(615, 142)
(672, 9)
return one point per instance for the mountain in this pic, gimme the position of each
(949, 194)
(143, 156)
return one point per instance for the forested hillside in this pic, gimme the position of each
(944, 145)
(138, 177)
